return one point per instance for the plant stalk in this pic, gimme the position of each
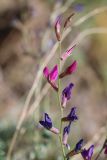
(59, 101)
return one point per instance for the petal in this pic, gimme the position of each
(72, 115)
(72, 68)
(54, 130)
(54, 74)
(69, 70)
(66, 95)
(47, 119)
(68, 146)
(66, 131)
(79, 145)
(67, 53)
(46, 72)
(46, 122)
(64, 101)
(65, 139)
(84, 154)
(42, 123)
(67, 91)
(90, 151)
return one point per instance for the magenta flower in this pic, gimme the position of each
(69, 70)
(58, 29)
(51, 76)
(87, 154)
(66, 94)
(67, 53)
(47, 123)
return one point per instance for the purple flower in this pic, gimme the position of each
(76, 150)
(47, 123)
(66, 132)
(51, 76)
(66, 94)
(87, 154)
(69, 70)
(67, 53)
(79, 146)
(58, 28)
(72, 116)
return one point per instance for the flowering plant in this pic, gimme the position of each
(52, 76)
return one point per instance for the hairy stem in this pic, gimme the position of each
(59, 102)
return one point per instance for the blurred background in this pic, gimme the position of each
(27, 44)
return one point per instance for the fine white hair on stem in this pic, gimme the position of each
(39, 74)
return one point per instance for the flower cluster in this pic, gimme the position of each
(52, 76)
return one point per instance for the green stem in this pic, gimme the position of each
(59, 102)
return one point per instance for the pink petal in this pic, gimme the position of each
(72, 68)
(46, 72)
(58, 29)
(67, 53)
(65, 139)
(54, 74)
(54, 130)
(64, 102)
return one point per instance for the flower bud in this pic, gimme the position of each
(58, 29)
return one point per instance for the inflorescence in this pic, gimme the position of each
(52, 76)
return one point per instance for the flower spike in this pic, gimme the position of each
(67, 53)
(69, 70)
(47, 123)
(66, 94)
